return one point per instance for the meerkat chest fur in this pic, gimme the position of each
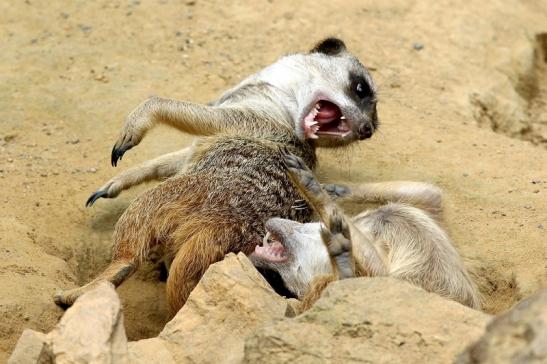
(246, 177)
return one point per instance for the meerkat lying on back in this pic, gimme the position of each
(225, 187)
(325, 98)
(402, 239)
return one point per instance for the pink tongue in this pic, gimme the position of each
(328, 112)
(274, 252)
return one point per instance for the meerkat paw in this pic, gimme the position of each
(136, 125)
(95, 196)
(67, 298)
(336, 234)
(129, 138)
(110, 190)
(336, 191)
(337, 239)
(339, 248)
(118, 150)
(301, 173)
(337, 244)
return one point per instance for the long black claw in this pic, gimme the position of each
(117, 153)
(94, 197)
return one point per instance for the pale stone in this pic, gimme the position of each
(518, 336)
(371, 320)
(31, 348)
(230, 302)
(91, 331)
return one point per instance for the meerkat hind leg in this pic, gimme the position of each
(115, 273)
(419, 194)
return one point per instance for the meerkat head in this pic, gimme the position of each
(345, 112)
(295, 251)
(334, 95)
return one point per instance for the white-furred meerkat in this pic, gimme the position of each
(325, 98)
(233, 179)
(402, 239)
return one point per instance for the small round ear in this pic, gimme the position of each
(329, 46)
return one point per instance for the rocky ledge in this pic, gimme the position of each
(233, 316)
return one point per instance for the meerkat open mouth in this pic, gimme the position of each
(325, 118)
(271, 249)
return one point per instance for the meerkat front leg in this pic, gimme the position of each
(335, 232)
(189, 117)
(162, 167)
(350, 249)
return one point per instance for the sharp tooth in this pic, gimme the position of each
(265, 240)
(310, 123)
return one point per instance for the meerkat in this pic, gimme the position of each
(401, 239)
(224, 187)
(326, 97)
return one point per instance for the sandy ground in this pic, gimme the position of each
(461, 85)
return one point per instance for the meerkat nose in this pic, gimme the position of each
(365, 132)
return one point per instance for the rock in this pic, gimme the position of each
(31, 348)
(92, 330)
(230, 302)
(518, 336)
(293, 307)
(373, 320)
(152, 351)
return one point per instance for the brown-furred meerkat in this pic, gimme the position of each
(233, 179)
(402, 239)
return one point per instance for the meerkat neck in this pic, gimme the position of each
(261, 100)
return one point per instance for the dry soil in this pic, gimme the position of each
(462, 105)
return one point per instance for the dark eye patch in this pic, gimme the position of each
(360, 87)
(363, 90)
